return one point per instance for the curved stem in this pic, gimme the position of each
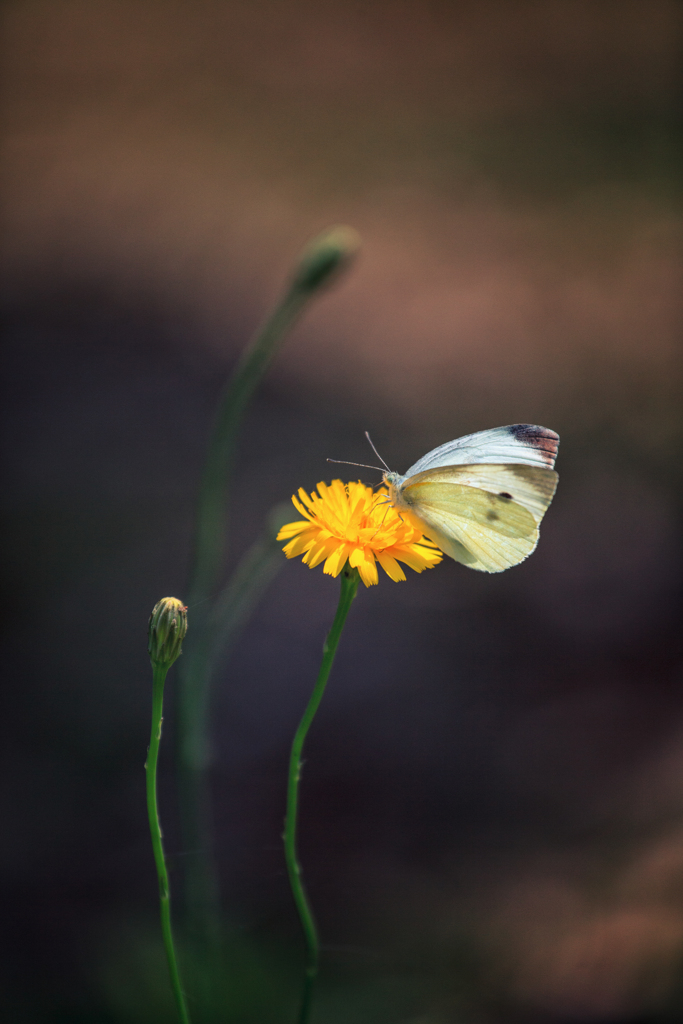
(349, 586)
(159, 678)
(210, 529)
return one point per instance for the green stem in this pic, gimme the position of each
(209, 544)
(159, 678)
(349, 586)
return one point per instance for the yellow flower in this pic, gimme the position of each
(348, 522)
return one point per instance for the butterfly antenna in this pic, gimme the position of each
(376, 452)
(343, 462)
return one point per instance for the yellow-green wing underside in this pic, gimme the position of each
(485, 516)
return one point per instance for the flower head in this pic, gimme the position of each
(167, 629)
(350, 523)
(324, 257)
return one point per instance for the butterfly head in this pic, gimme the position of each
(393, 481)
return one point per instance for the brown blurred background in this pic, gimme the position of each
(492, 818)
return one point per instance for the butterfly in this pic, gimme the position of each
(481, 498)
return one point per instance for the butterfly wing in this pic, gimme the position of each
(485, 516)
(519, 443)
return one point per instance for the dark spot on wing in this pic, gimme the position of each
(504, 494)
(491, 515)
(545, 441)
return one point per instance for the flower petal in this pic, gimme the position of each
(390, 566)
(291, 529)
(368, 572)
(300, 544)
(336, 561)
(415, 558)
(321, 550)
(299, 506)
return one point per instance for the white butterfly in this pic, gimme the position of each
(481, 498)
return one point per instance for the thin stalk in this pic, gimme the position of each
(349, 586)
(210, 530)
(159, 678)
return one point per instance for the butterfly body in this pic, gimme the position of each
(481, 498)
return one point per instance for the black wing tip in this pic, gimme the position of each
(541, 438)
(523, 430)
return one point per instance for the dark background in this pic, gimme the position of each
(492, 808)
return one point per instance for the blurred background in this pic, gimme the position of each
(492, 803)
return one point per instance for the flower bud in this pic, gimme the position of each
(167, 629)
(325, 256)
